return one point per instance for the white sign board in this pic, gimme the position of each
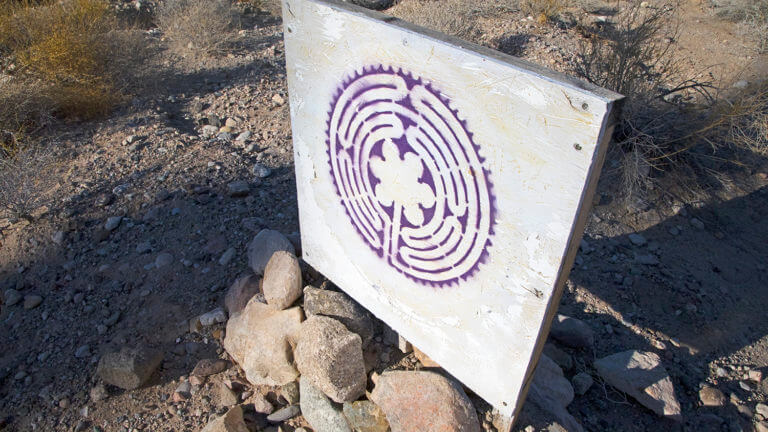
(442, 185)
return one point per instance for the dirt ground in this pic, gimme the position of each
(701, 307)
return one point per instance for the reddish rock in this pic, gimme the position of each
(282, 280)
(424, 401)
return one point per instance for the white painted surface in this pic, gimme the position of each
(539, 141)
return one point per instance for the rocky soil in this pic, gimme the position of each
(162, 287)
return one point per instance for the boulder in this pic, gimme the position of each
(424, 401)
(263, 246)
(572, 332)
(207, 367)
(282, 280)
(712, 397)
(130, 367)
(365, 416)
(642, 376)
(332, 358)
(551, 392)
(241, 291)
(341, 307)
(260, 338)
(319, 411)
(232, 421)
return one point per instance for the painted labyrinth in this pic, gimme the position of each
(409, 175)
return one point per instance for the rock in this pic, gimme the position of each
(637, 239)
(261, 405)
(424, 401)
(227, 256)
(572, 332)
(163, 260)
(261, 171)
(562, 358)
(225, 396)
(183, 391)
(642, 376)
(99, 393)
(711, 396)
(332, 357)
(290, 392)
(284, 414)
(647, 259)
(762, 409)
(551, 392)
(83, 351)
(244, 136)
(232, 421)
(282, 280)
(319, 411)
(32, 301)
(144, 247)
(341, 307)
(130, 367)
(215, 316)
(241, 292)
(755, 375)
(365, 416)
(277, 99)
(112, 319)
(741, 84)
(238, 188)
(12, 297)
(697, 223)
(424, 359)
(112, 223)
(403, 345)
(582, 382)
(259, 340)
(263, 246)
(208, 367)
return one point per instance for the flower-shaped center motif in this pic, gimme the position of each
(399, 183)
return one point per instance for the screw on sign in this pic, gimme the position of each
(409, 175)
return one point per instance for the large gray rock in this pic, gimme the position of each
(232, 421)
(282, 280)
(642, 376)
(572, 332)
(321, 413)
(241, 291)
(424, 401)
(332, 357)
(259, 339)
(130, 367)
(263, 246)
(551, 392)
(341, 307)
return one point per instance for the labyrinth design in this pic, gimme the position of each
(409, 175)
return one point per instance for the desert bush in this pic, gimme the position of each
(67, 48)
(452, 17)
(23, 183)
(24, 108)
(203, 26)
(542, 10)
(752, 16)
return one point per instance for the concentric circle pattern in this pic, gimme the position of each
(409, 175)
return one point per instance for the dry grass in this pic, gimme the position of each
(751, 14)
(200, 26)
(542, 10)
(22, 187)
(453, 17)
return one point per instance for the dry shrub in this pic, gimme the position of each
(746, 119)
(23, 183)
(542, 10)
(453, 17)
(69, 47)
(751, 14)
(24, 108)
(204, 26)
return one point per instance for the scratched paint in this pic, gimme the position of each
(482, 322)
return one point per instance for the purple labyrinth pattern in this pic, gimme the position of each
(409, 176)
